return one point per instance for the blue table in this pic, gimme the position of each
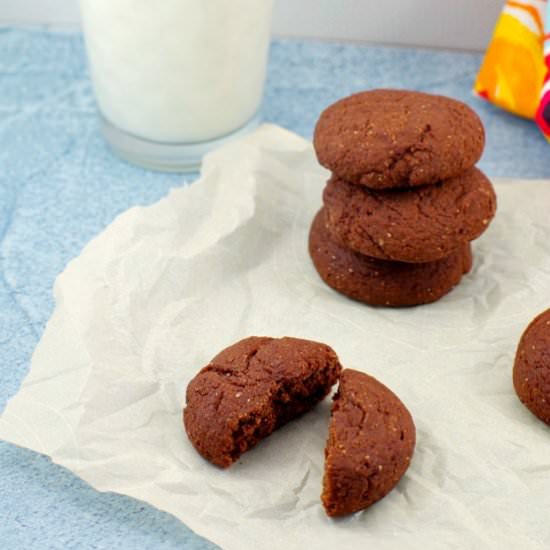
(60, 186)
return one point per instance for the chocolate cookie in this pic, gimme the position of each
(396, 138)
(415, 225)
(380, 282)
(370, 444)
(252, 388)
(532, 367)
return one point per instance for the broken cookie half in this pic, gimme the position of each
(252, 388)
(259, 384)
(370, 444)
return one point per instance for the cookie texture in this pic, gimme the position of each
(423, 224)
(396, 138)
(532, 367)
(252, 388)
(382, 282)
(370, 444)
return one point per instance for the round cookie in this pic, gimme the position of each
(380, 282)
(251, 389)
(371, 441)
(532, 367)
(396, 138)
(423, 224)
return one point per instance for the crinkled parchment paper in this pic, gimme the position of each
(164, 288)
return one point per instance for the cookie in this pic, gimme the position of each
(370, 444)
(252, 388)
(532, 367)
(423, 224)
(380, 282)
(395, 138)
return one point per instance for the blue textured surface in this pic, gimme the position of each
(60, 186)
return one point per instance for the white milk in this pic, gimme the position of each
(177, 71)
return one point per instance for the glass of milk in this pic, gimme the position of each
(175, 78)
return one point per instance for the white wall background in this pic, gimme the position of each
(462, 24)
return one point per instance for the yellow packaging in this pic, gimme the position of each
(513, 71)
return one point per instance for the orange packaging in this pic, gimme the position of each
(514, 69)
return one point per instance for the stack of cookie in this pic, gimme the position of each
(404, 200)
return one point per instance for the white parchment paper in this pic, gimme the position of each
(164, 288)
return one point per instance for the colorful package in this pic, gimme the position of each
(514, 73)
(543, 112)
